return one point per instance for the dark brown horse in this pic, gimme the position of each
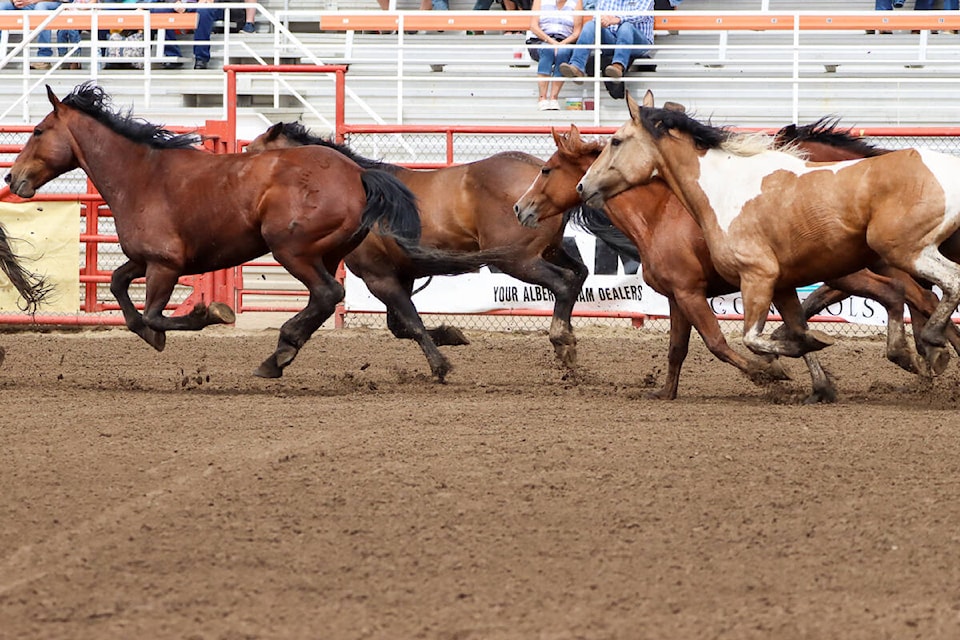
(180, 210)
(677, 261)
(774, 221)
(466, 207)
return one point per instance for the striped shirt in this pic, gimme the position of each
(644, 24)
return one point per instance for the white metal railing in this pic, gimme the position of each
(795, 60)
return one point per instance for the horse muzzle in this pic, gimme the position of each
(590, 197)
(21, 188)
(527, 216)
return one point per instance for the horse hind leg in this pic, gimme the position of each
(757, 295)
(404, 322)
(161, 281)
(934, 266)
(891, 293)
(325, 293)
(563, 276)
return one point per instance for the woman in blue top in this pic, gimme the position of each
(556, 25)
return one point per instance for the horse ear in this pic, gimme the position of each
(633, 107)
(274, 131)
(648, 99)
(574, 133)
(557, 137)
(51, 96)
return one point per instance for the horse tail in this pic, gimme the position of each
(31, 287)
(391, 208)
(596, 222)
(392, 211)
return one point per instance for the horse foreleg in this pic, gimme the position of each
(791, 311)
(676, 353)
(325, 293)
(404, 321)
(692, 308)
(823, 388)
(120, 288)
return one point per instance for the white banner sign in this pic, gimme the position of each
(615, 284)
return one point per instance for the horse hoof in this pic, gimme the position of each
(937, 358)
(821, 396)
(816, 340)
(447, 336)
(268, 369)
(567, 355)
(662, 394)
(219, 313)
(156, 339)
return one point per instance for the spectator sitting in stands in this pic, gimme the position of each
(616, 28)
(43, 38)
(557, 25)
(70, 36)
(205, 20)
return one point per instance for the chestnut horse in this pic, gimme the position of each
(774, 221)
(181, 210)
(667, 241)
(466, 207)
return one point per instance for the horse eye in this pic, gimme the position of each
(37, 131)
(545, 171)
(614, 142)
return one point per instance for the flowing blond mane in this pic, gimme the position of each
(754, 143)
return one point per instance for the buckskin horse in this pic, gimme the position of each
(774, 221)
(467, 207)
(181, 210)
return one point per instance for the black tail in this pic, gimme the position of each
(31, 287)
(392, 211)
(596, 222)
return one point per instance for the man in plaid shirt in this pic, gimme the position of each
(617, 28)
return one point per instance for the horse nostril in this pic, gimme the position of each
(579, 187)
(516, 209)
(7, 178)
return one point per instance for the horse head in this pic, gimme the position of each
(48, 153)
(272, 138)
(632, 157)
(553, 191)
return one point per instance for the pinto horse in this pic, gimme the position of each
(466, 207)
(180, 210)
(774, 221)
(677, 264)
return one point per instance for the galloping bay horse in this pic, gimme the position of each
(180, 210)
(466, 207)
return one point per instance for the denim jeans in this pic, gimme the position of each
(67, 36)
(44, 36)
(205, 20)
(625, 36)
(551, 58)
(441, 5)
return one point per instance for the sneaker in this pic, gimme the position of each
(249, 27)
(553, 105)
(200, 64)
(570, 71)
(614, 70)
(543, 105)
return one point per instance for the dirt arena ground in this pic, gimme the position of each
(174, 495)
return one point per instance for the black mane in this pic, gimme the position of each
(658, 122)
(825, 131)
(298, 133)
(93, 101)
